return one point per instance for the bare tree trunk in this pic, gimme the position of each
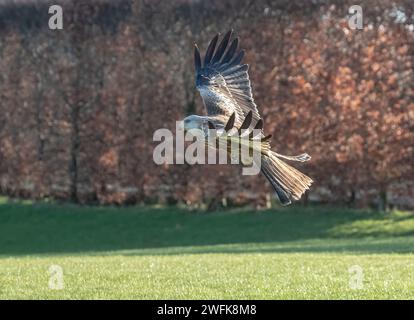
(74, 151)
(352, 199)
(383, 200)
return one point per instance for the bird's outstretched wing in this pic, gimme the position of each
(223, 80)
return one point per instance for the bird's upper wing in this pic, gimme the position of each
(229, 89)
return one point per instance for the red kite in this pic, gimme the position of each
(223, 82)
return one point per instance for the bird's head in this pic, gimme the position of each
(194, 122)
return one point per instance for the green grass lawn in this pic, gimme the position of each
(172, 253)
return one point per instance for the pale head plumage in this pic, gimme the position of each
(195, 122)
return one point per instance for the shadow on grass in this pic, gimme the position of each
(61, 229)
(368, 245)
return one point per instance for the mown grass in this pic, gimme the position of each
(172, 253)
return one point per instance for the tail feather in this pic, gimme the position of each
(288, 182)
(283, 196)
(301, 158)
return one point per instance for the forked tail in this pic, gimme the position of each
(288, 182)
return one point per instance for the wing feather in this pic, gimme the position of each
(235, 71)
(210, 50)
(229, 89)
(222, 47)
(238, 58)
(232, 50)
(197, 59)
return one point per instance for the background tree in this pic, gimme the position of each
(79, 106)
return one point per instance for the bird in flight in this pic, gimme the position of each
(224, 85)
